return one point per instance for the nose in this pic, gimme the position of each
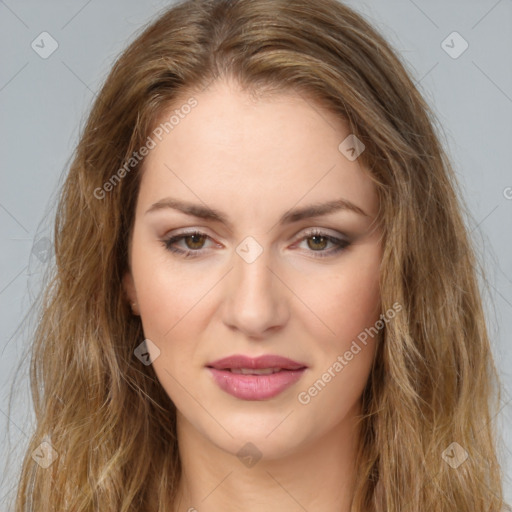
(256, 300)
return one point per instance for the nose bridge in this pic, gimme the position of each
(251, 273)
(255, 301)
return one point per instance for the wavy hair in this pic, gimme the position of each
(106, 415)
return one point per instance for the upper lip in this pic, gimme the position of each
(265, 361)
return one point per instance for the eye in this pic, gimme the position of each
(316, 240)
(194, 241)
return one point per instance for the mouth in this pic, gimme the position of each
(258, 378)
(262, 371)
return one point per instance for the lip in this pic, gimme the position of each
(255, 363)
(255, 387)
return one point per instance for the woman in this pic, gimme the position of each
(264, 286)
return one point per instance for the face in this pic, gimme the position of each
(227, 260)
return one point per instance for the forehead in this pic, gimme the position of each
(275, 148)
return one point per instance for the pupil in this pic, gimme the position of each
(196, 239)
(316, 237)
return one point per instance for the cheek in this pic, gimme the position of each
(356, 304)
(345, 302)
(346, 351)
(170, 309)
(167, 305)
(166, 297)
(176, 301)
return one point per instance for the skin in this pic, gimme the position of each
(254, 160)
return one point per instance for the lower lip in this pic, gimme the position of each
(255, 387)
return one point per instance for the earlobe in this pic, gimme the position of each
(130, 293)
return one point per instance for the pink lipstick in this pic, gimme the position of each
(257, 378)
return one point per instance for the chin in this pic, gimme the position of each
(260, 447)
(259, 436)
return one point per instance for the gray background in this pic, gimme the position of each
(44, 103)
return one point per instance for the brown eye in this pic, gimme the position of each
(194, 243)
(319, 242)
(197, 240)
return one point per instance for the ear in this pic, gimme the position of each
(129, 290)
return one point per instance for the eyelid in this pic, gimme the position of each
(322, 231)
(303, 233)
(340, 241)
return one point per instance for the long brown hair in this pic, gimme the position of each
(433, 383)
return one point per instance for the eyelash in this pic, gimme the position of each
(340, 243)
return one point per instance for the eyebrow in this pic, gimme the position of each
(295, 215)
